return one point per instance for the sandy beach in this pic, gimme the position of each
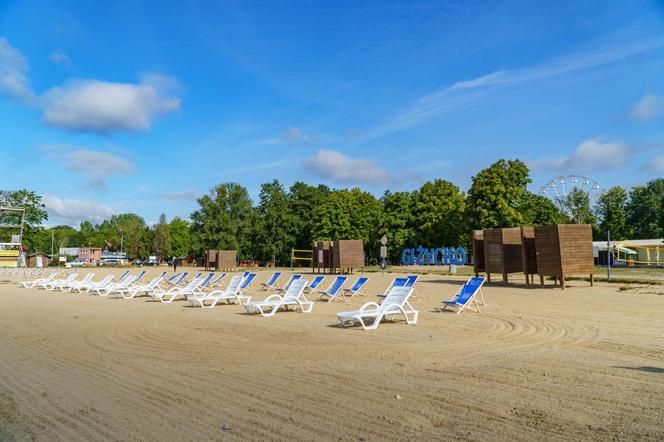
(536, 363)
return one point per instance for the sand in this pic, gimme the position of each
(586, 363)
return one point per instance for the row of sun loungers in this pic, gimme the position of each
(207, 291)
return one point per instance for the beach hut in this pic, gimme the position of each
(322, 259)
(347, 254)
(226, 260)
(528, 253)
(564, 249)
(502, 251)
(478, 252)
(38, 259)
(211, 259)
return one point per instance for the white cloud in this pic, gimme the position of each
(340, 168)
(59, 57)
(103, 107)
(74, 211)
(95, 165)
(14, 74)
(466, 93)
(648, 108)
(297, 135)
(655, 166)
(292, 135)
(590, 155)
(184, 195)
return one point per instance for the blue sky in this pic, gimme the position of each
(143, 106)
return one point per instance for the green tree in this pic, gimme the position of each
(577, 205)
(90, 236)
(496, 195)
(221, 222)
(645, 210)
(180, 233)
(398, 223)
(161, 243)
(304, 199)
(35, 215)
(538, 210)
(350, 214)
(438, 214)
(274, 236)
(611, 209)
(127, 232)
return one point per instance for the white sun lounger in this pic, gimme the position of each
(87, 279)
(294, 297)
(168, 296)
(52, 285)
(93, 284)
(370, 314)
(134, 289)
(110, 288)
(232, 293)
(34, 282)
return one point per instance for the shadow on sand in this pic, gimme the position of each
(645, 369)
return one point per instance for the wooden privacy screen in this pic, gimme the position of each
(211, 259)
(226, 259)
(502, 251)
(347, 254)
(564, 249)
(528, 253)
(478, 252)
(322, 249)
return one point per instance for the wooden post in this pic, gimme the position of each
(504, 278)
(562, 281)
(488, 278)
(542, 280)
(592, 279)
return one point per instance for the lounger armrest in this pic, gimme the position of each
(369, 304)
(271, 297)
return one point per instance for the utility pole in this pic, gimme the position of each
(608, 255)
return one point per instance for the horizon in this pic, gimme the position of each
(197, 95)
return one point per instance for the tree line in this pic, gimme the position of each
(437, 214)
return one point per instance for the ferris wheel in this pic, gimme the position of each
(558, 189)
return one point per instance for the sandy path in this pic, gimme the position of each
(536, 363)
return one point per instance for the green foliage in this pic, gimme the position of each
(161, 239)
(274, 227)
(577, 204)
(398, 223)
(349, 214)
(179, 231)
(304, 199)
(221, 222)
(645, 210)
(126, 232)
(35, 215)
(540, 211)
(611, 209)
(496, 196)
(437, 214)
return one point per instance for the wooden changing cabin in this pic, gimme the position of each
(564, 249)
(478, 252)
(347, 254)
(529, 253)
(502, 251)
(322, 259)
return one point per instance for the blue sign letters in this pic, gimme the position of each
(439, 256)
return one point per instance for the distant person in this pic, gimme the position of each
(175, 264)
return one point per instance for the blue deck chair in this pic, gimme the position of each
(205, 284)
(410, 282)
(292, 279)
(467, 296)
(267, 285)
(246, 282)
(355, 288)
(123, 276)
(333, 292)
(138, 278)
(216, 282)
(313, 285)
(177, 279)
(396, 282)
